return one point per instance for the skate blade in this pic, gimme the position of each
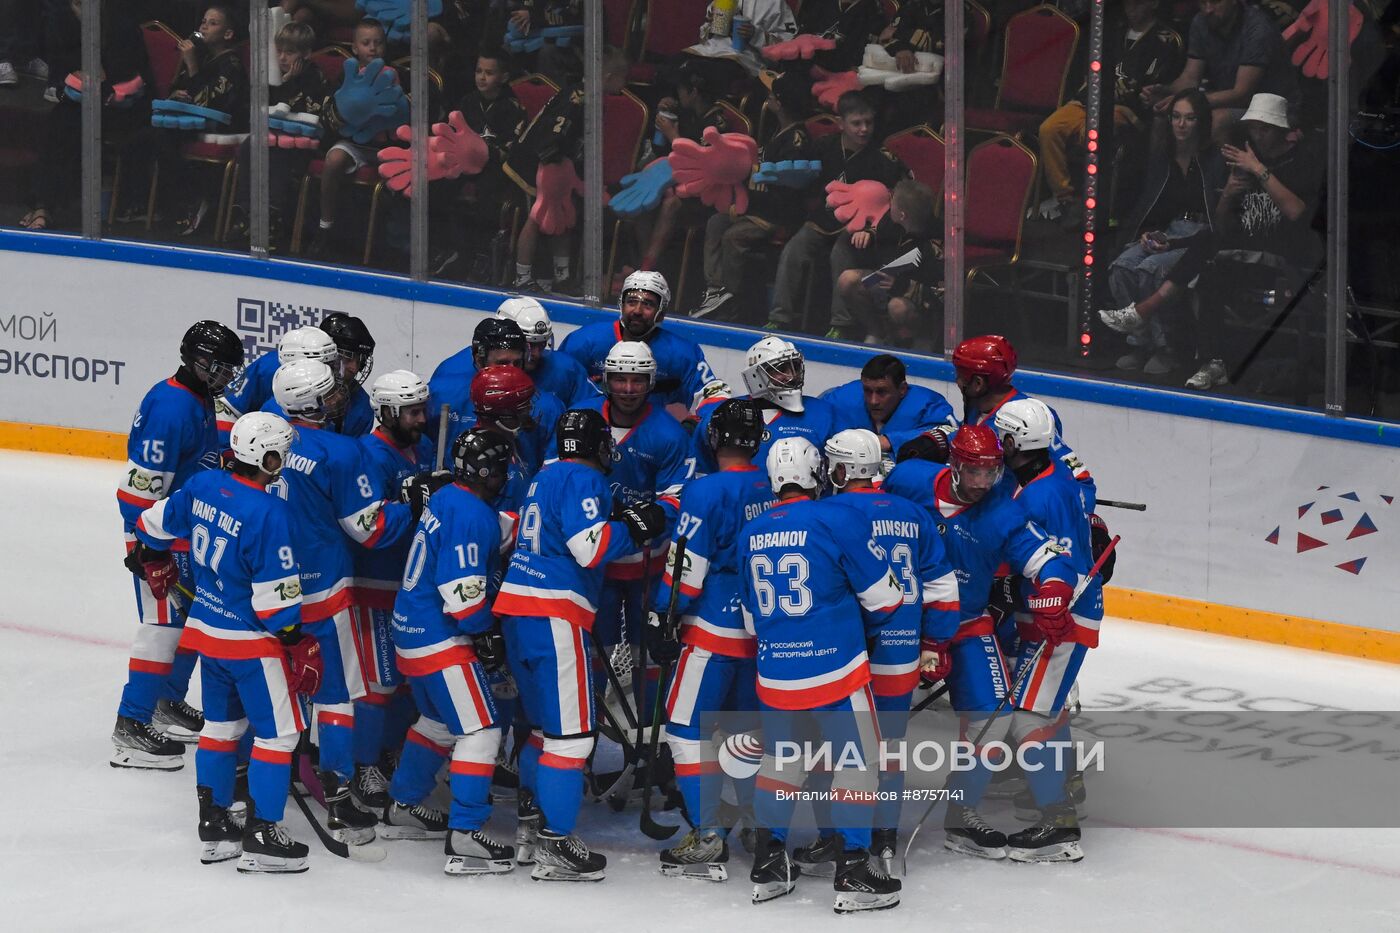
(466, 865)
(772, 890)
(964, 847)
(220, 851)
(1060, 852)
(524, 853)
(352, 836)
(849, 902)
(140, 761)
(410, 833)
(266, 865)
(817, 869)
(550, 873)
(704, 871)
(180, 734)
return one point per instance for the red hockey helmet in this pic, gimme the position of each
(990, 356)
(502, 390)
(975, 459)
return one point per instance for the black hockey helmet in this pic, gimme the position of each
(496, 333)
(737, 422)
(479, 455)
(353, 340)
(582, 434)
(213, 353)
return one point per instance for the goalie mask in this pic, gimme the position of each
(774, 370)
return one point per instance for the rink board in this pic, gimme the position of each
(1262, 522)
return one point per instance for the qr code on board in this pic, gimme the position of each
(261, 324)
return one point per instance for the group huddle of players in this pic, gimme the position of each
(476, 573)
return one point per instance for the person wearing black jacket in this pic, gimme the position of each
(851, 24)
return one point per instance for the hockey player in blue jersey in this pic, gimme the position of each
(916, 639)
(495, 342)
(337, 505)
(1058, 504)
(715, 668)
(245, 624)
(446, 638)
(172, 439)
(814, 590)
(909, 419)
(557, 373)
(683, 377)
(503, 398)
(774, 373)
(983, 526)
(549, 599)
(393, 452)
(355, 346)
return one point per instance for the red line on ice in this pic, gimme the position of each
(63, 636)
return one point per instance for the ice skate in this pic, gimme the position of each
(862, 885)
(221, 836)
(475, 853)
(702, 856)
(140, 746)
(1054, 839)
(178, 720)
(527, 830)
(819, 859)
(969, 834)
(267, 847)
(566, 858)
(403, 821)
(774, 873)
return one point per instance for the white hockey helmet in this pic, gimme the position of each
(858, 450)
(1025, 424)
(531, 317)
(630, 356)
(307, 343)
(306, 389)
(259, 433)
(794, 461)
(774, 369)
(396, 390)
(646, 281)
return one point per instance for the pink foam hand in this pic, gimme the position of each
(1311, 54)
(455, 149)
(829, 90)
(717, 171)
(396, 163)
(556, 183)
(124, 92)
(75, 81)
(859, 205)
(800, 47)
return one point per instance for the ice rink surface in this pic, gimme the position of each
(95, 849)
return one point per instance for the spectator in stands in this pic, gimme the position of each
(496, 114)
(303, 90)
(210, 75)
(848, 156)
(757, 23)
(894, 306)
(1185, 176)
(1150, 53)
(323, 15)
(1233, 51)
(23, 24)
(346, 157)
(561, 64)
(733, 241)
(851, 24)
(56, 177)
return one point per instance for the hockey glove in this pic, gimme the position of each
(644, 521)
(1050, 611)
(1001, 602)
(419, 488)
(799, 47)
(931, 445)
(662, 645)
(159, 571)
(303, 661)
(859, 205)
(935, 661)
(1099, 539)
(717, 172)
(490, 647)
(642, 191)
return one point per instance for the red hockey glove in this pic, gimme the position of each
(1050, 610)
(935, 661)
(158, 567)
(304, 660)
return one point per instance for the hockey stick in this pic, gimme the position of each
(1115, 504)
(649, 825)
(443, 412)
(617, 795)
(1011, 692)
(307, 774)
(929, 700)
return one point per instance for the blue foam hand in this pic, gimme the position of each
(184, 108)
(396, 15)
(561, 36)
(366, 96)
(71, 94)
(789, 173)
(174, 121)
(641, 191)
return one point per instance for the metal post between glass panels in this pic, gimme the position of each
(258, 61)
(418, 206)
(954, 178)
(591, 243)
(92, 119)
(1338, 147)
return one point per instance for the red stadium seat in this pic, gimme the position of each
(920, 148)
(1040, 45)
(669, 26)
(163, 56)
(620, 23)
(1000, 174)
(534, 92)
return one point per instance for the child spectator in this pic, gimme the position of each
(732, 240)
(851, 24)
(303, 90)
(735, 56)
(560, 63)
(848, 156)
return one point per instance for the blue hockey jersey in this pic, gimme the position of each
(378, 571)
(337, 503)
(557, 373)
(713, 510)
(682, 374)
(563, 541)
(816, 422)
(531, 443)
(172, 438)
(1058, 448)
(245, 571)
(1060, 505)
(446, 598)
(249, 391)
(980, 538)
(813, 588)
(921, 410)
(357, 421)
(649, 462)
(905, 532)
